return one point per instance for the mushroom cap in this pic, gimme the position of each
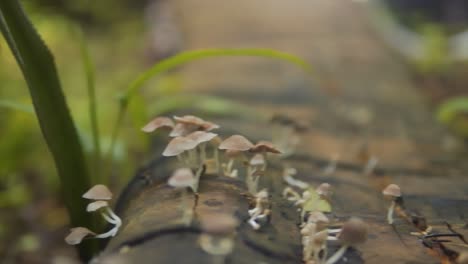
(298, 125)
(218, 223)
(181, 130)
(354, 231)
(196, 121)
(77, 234)
(98, 192)
(232, 153)
(182, 177)
(263, 194)
(178, 145)
(257, 159)
(94, 206)
(317, 217)
(264, 146)
(324, 189)
(236, 142)
(392, 190)
(201, 136)
(158, 122)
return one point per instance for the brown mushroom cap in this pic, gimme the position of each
(354, 231)
(181, 130)
(218, 223)
(196, 121)
(324, 189)
(94, 206)
(264, 146)
(392, 190)
(181, 178)
(158, 122)
(236, 142)
(77, 234)
(98, 192)
(178, 145)
(201, 136)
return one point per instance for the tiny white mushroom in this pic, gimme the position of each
(77, 234)
(394, 192)
(184, 178)
(98, 192)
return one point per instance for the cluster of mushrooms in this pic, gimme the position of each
(100, 195)
(430, 238)
(198, 152)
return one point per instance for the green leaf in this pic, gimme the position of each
(37, 65)
(25, 108)
(315, 203)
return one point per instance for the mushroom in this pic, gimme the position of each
(263, 147)
(254, 171)
(392, 191)
(158, 122)
(261, 209)
(218, 234)
(354, 231)
(286, 133)
(201, 138)
(77, 234)
(177, 146)
(234, 146)
(189, 123)
(183, 178)
(324, 190)
(108, 215)
(288, 174)
(228, 169)
(98, 192)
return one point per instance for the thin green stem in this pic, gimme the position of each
(92, 106)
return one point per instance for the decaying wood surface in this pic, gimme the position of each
(364, 105)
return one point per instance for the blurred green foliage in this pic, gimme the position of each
(454, 114)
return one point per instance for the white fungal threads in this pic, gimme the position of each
(261, 210)
(99, 193)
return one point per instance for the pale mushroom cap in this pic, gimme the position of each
(183, 177)
(181, 130)
(94, 206)
(218, 223)
(232, 153)
(265, 146)
(317, 217)
(77, 234)
(263, 194)
(201, 136)
(283, 120)
(178, 145)
(392, 190)
(189, 119)
(354, 231)
(98, 192)
(324, 189)
(236, 142)
(196, 121)
(158, 122)
(257, 159)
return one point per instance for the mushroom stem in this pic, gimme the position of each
(390, 213)
(216, 156)
(202, 148)
(187, 210)
(110, 233)
(108, 218)
(114, 216)
(338, 254)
